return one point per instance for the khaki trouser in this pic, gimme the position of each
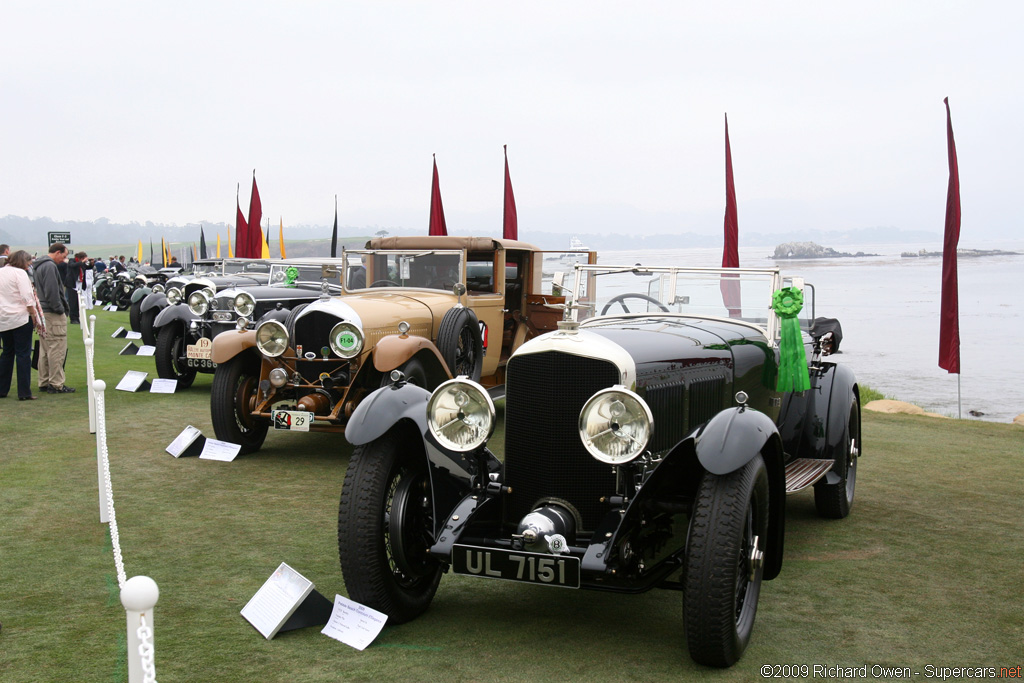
(53, 350)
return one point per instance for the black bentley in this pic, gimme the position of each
(211, 305)
(148, 302)
(650, 442)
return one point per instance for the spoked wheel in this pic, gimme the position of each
(461, 344)
(835, 500)
(725, 562)
(621, 301)
(385, 529)
(232, 398)
(170, 356)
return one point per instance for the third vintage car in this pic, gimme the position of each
(649, 442)
(433, 307)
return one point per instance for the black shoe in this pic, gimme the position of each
(44, 389)
(62, 390)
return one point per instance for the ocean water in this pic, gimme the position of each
(889, 309)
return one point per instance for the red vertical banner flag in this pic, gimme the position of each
(241, 231)
(437, 225)
(255, 242)
(510, 221)
(730, 251)
(949, 315)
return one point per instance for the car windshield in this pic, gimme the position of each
(305, 274)
(736, 293)
(436, 269)
(208, 268)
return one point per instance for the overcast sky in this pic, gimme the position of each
(612, 112)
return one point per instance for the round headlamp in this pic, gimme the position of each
(199, 302)
(271, 338)
(158, 288)
(346, 340)
(278, 377)
(460, 415)
(615, 425)
(244, 304)
(173, 296)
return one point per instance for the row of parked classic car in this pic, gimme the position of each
(648, 441)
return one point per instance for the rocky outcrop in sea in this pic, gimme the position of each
(800, 250)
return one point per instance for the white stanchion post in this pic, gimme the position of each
(90, 355)
(139, 595)
(89, 347)
(99, 386)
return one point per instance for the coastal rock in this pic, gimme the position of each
(794, 250)
(886, 405)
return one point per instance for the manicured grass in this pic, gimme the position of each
(925, 571)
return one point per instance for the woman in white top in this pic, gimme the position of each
(17, 311)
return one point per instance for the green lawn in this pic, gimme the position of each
(925, 571)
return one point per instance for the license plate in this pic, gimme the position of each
(511, 565)
(203, 348)
(292, 420)
(201, 363)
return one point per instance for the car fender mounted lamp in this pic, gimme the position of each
(615, 425)
(460, 415)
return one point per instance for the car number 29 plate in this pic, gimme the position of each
(511, 565)
(294, 420)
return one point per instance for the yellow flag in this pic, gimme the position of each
(230, 255)
(218, 245)
(266, 247)
(280, 239)
(139, 259)
(163, 252)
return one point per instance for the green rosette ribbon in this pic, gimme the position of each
(793, 375)
(291, 274)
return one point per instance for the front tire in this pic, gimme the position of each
(234, 390)
(169, 356)
(146, 326)
(833, 501)
(385, 528)
(725, 562)
(135, 316)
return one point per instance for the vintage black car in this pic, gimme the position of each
(650, 441)
(150, 301)
(212, 305)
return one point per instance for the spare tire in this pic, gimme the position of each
(460, 343)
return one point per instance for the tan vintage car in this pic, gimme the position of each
(432, 308)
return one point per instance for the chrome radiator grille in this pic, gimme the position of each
(544, 457)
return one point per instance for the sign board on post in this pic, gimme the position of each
(286, 601)
(133, 380)
(64, 237)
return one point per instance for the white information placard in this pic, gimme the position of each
(119, 332)
(133, 335)
(163, 386)
(224, 451)
(146, 350)
(132, 380)
(276, 600)
(354, 624)
(183, 440)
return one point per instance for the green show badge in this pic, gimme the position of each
(793, 374)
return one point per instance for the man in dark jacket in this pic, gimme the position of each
(54, 348)
(74, 281)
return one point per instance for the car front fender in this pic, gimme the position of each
(394, 350)
(227, 345)
(179, 313)
(141, 292)
(382, 409)
(154, 300)
(732, 438)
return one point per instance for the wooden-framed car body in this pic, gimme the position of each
(421, 305)
(642, 449)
